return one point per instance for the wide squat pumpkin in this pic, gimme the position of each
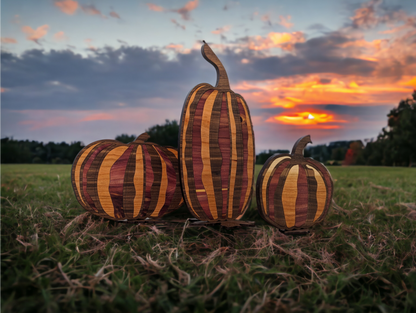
(293, 192)
(216, 149)
(120, 181)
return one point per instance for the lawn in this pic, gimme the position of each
(58, 258)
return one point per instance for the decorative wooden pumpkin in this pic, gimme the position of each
(216, 149)
(293, 192)
(127, 181)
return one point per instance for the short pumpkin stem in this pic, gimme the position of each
(222, 77)
(142, 138)
(300, 145)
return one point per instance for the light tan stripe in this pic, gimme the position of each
(175, 152)
(200, 190)
(163, 187)
(289, 195)
(250, 158)
(206, 175)
(266, 181)
(103, 179)
(184, 129)
(78, 171)
(233, 156)
(138, 181)
(320, 193)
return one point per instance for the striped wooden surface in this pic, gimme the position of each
(127, 181)
(216, 149)
(293, 192)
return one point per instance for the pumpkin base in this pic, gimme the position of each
(193, 222)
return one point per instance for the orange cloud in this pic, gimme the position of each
(284, 21)
(35, 34)
(59, 36)
(221, 30)
(308, 119)
(67, 6)
(98, 117)
(8, 40)
(285, 41)
(114, 14)
(91, 10)
(188, 7)
(154, 7)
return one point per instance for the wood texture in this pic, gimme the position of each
(216, 149)
(293, 192)
(134, 181)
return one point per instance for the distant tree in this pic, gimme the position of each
(338, 154)
(124, 138)
(166, 134)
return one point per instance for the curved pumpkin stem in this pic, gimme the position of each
(142, 138)
(300, 145)
(222, 77)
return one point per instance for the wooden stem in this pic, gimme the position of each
(142, 138)
(300, 145)
(222, 77)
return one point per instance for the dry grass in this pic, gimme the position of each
(57, 258)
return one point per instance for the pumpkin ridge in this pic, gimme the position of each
(312, 201)
(279, 213)
(177, 198)
(272, 185)
(156, 165)
(244, 135)
(129, 192)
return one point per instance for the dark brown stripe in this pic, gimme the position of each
(177, 197)
(117, 174)
(188, 154)
(92, 175)
(148, 182)
(328, 184)
(84, 174)
(279, 214)
(225, 148)
(171, 182)
(240, 159)
(272, 186)
(215, 152)
(157, 172)
(302, 198)
(244, 129)
(312, 202)
(129, 191)
(196, 156)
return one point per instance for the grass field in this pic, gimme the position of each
(58, 258)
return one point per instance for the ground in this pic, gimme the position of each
(58, 258)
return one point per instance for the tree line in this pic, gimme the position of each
(394, 146)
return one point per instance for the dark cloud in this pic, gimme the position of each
(365, 113)
(64, 79)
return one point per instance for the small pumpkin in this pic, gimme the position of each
(293, 192)
(216, 149)
(127, 181)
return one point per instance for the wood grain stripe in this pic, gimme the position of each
(85, 181)
(302, 198)
(251, 152)
(129, 191)
(161, 200)
(157, 181)
(178, 199)
(312, 202)
(240, 157)
(206, 174)
(244, 133)
(171, 181)
(139, 182)
(233, 157)
(77, 173)
(266, 178)
(320, 193)
(279, 214)
(289, 195)
(225, 147)
(184, 170)
(103, 179)
(117, 174)
(148, 181)
(271, 188)
(215, 153)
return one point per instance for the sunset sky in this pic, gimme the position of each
(88, 70)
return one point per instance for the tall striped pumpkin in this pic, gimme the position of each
(293, 192)
(216, 149)
(127, 181)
